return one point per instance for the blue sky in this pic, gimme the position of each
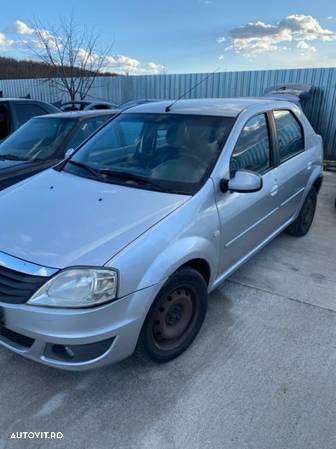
(191, 35)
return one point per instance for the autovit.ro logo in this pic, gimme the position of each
(36, 435)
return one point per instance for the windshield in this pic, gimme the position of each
(37, 140)
(173, 153)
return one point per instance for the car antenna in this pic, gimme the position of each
(192, 88)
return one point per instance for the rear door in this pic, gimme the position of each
(248, 219)
(294, 164)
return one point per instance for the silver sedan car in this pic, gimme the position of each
(116, 249)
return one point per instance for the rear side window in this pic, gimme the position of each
(252, 150)
(26, 111)
(290, 134)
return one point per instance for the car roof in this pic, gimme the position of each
(85, 102)
(77, 102)
(227, 107)
(80, 114)
(28, 100)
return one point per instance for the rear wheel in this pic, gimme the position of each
(174, 318)
(303, 222)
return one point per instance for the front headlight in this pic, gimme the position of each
(78, 287)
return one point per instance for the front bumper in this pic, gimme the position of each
(76, 339)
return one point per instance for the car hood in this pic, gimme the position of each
(13, 171)
(57, 219)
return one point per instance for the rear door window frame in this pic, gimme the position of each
(275, 133)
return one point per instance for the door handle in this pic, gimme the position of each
(274, 190)
(309, 165)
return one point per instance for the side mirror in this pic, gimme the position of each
(245, 181)
(69, 152)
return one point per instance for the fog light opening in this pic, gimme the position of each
(63, 352)
(77, 353)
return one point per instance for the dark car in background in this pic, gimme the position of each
(43, 141)
(132, 103)
(14, 112)
(86, 105)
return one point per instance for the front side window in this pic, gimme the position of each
(168, 152)
(38, 139)
(252, 150)
(289, 133)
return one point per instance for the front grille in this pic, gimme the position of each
(16, 287)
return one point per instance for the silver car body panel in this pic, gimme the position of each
(145, 235)
(77, 232)
(23, 266)
(121, 320)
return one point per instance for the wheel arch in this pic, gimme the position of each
(318, 183)
(315, 181)
(195, 252)
(201, 266)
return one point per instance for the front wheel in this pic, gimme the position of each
(304, 220)
(174, 318)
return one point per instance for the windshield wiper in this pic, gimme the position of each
(131, 177)
(105, 173)
(91, 170)
(10, 157)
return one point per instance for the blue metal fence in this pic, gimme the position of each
(119, 89)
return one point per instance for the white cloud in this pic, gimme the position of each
(123, 64)
(259, 37)
(154, 68)
(306, 28)
(21, 28)
(220, 39)
(126, 65)
(5, 44)
(113, 63)
(221, 57)
(302, 45)
(29, 36)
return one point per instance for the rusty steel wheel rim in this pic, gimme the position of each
(173, 318)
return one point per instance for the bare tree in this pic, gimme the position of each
(72, 51)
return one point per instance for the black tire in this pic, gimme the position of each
(174, 318)
(303, 222)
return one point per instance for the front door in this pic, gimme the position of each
(248, 219)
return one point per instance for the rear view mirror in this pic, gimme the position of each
(69, 152)
(245, 181)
